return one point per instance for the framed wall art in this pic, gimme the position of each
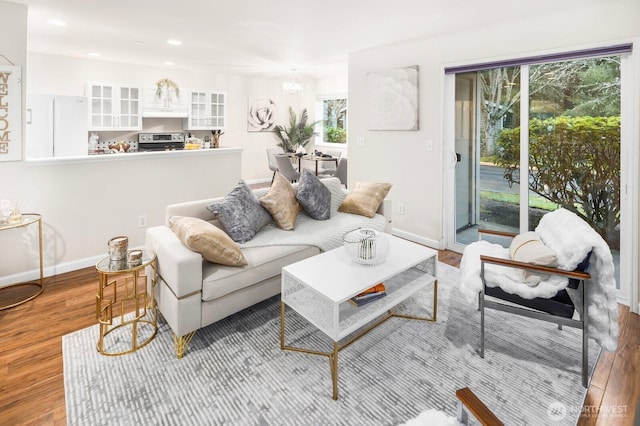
(261, 116)
(393, 99)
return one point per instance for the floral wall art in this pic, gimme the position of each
(261, 117)
(393, 99)
(10, 113)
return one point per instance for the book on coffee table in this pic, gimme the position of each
(363, 299)
(378, 288)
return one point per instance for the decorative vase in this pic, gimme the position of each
(93, 143)
(15, 217)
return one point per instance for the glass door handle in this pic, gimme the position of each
(454, 158)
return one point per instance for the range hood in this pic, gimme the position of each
(164, 113)
(171, 106)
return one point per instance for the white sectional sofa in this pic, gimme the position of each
(192, 293)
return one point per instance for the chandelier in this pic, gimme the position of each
(293, 86)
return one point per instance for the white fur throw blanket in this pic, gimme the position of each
(324, 234)
(572, 239)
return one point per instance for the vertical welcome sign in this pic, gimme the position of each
(10, 113)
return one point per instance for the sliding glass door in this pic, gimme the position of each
(531, 138)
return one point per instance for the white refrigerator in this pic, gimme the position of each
(57, 126)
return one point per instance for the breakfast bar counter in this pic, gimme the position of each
(133, 156)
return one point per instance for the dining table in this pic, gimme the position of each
(319, 158)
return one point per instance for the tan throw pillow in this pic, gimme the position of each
(365, 198)
(210, 241)
(528, 248)
(281, 203)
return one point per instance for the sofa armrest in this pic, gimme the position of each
(386, 210)
(179, 267)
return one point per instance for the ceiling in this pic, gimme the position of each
(248, 37)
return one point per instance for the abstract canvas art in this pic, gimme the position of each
(261, 116)
(393, 99)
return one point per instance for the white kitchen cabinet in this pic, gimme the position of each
(207, 111)
(114, 107)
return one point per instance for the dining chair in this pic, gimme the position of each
(328, 168)
(285, 168)
(271, 157)
(341, 171)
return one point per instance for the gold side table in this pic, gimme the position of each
(125, 307)
(8, 302)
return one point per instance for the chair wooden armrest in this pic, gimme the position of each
(498, 233)
(481, 412)
(528, 266)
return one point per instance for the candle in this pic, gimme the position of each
(134, 257)
(118, 248)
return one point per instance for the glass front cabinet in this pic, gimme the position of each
(206, 111)
(114, 107)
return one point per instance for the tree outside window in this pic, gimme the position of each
(334, 120)
(574, 136)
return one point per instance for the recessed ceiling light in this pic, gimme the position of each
(139, 42)
(174, 42)
(94, 54)
(169, 63)
(57, 22)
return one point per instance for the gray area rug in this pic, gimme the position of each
(235, 373)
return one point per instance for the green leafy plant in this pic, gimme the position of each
(335, 134)
(574, 162)
(299, 132)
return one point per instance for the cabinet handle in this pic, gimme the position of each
(30, 115)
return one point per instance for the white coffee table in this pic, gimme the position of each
(319, 289)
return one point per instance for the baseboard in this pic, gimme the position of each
(257, 181)
(415, 238)
(50, 271)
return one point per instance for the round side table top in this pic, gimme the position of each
(106, 265)
(27, 219)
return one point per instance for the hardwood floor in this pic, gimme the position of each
(31, 374)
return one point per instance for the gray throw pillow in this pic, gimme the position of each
(314, 196)
(240, 213)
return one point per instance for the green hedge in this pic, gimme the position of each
(335, 134)
(573, 161)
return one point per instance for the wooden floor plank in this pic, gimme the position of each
(32, 383)
(618, 406)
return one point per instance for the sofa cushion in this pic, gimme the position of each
(240, 213)
(281, 203)
(263, 263)
(365, 198)
(204, 238)
(314, 196)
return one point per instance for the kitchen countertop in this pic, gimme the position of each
(130, 156)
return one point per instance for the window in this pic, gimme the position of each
(334, 120)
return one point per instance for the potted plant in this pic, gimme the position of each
(298, 134)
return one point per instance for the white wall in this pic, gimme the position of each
(83, 205)
(402, 157)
